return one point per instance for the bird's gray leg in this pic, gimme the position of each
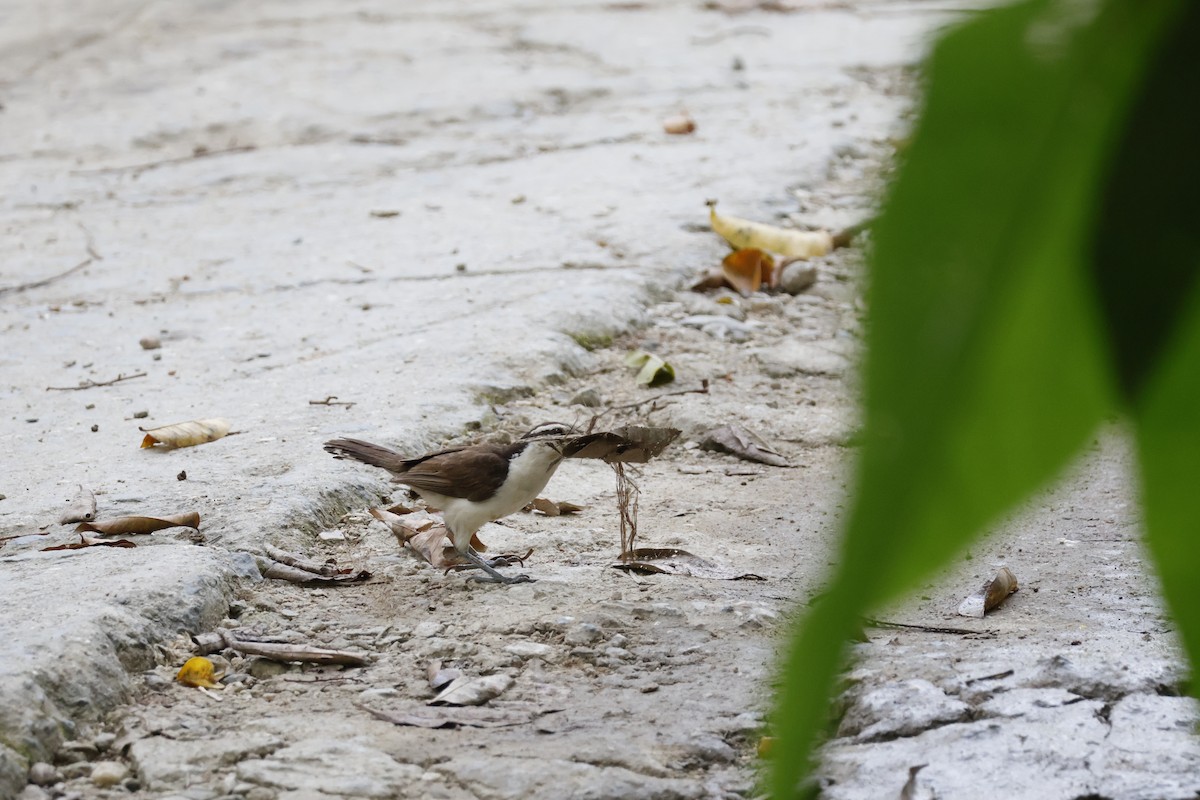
(494, 576)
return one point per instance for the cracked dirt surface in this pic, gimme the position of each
(271, 283)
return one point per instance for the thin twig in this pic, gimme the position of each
(138, 169)
(703, 389)
(331, 400)
(89, 243)
(878, 623)
(997, 676)
(90, 384)
(21, 287)
(627, 505)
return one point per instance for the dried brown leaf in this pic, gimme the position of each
(186, 434)
(120, 526)
(672, 561)
(713, 279)
(547, 507)
(88, 541)
(743, 443)
(748, 269)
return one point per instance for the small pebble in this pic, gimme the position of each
(80, 769)
(43, 774)
(331, 536)
(589, 398)
(108, 773)
(141, 414)
(584, 633)
(798, 277)
(95, 428)
(103, 741)
(150, 343)
(182, 476)
(679, 124)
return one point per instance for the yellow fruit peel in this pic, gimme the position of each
(198, 671)
(744, 233)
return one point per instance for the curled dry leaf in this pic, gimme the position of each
(741, 233)
(547, 507)
(748, 269)
(126, 525)
(652, 370)
(439, 676)
(632, 444)
(672, 561)
(743, 443)
(186, 434)
(466, 691)
(990, 595)
(198, 671)
(82, 508)
(88, 541)
(424, 536)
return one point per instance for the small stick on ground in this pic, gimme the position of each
(879, 623)
(223, 638)
(90, 384)
(293, 560)
(21, 287)
(138, 169)
(331, 400)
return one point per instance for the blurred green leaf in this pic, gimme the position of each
(986, 366)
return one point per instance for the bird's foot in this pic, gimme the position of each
(505, 579)
(491, 575)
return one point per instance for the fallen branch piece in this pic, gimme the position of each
(905, 626)
(224, 638)
(331, 400)
(672, 561)
(284, 571)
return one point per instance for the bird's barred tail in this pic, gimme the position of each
(374, 454)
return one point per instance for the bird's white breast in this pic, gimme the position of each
(528, 474)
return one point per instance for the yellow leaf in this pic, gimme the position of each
(186, 434)
(743, 233)
(198, 671)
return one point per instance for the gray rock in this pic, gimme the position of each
(163, 764)
(583, 633)
(263, 668)
(103, 741)
(790, 357)
(332, 767)
(43, 774)
(900, 709)
(32, 792)
(108, 773)
(797, 277)
(499, 776)
(527, 650)
(80, 769)
(589, 398)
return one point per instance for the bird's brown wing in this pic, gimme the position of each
(473, 473)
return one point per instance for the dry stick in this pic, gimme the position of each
(878, 623)
(293, 560)
(330, 401)
(21, 287)
(138, 169)
(93, 384)
(223, 638)
(627, 505)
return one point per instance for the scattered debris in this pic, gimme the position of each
(428, 540)
(652, 370)
(82, 508)
(222, 639)
(672, 561)
(150, 343)
(120, 526)
(385, 213)
(282, 565)
(90, 384)
(742, 233)
(907, 626)
(440, 677)
(186, 434)
(990, 595)
(678, 124)
(198, 671)
(459, 717)
(721, 327)
(743, 443)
